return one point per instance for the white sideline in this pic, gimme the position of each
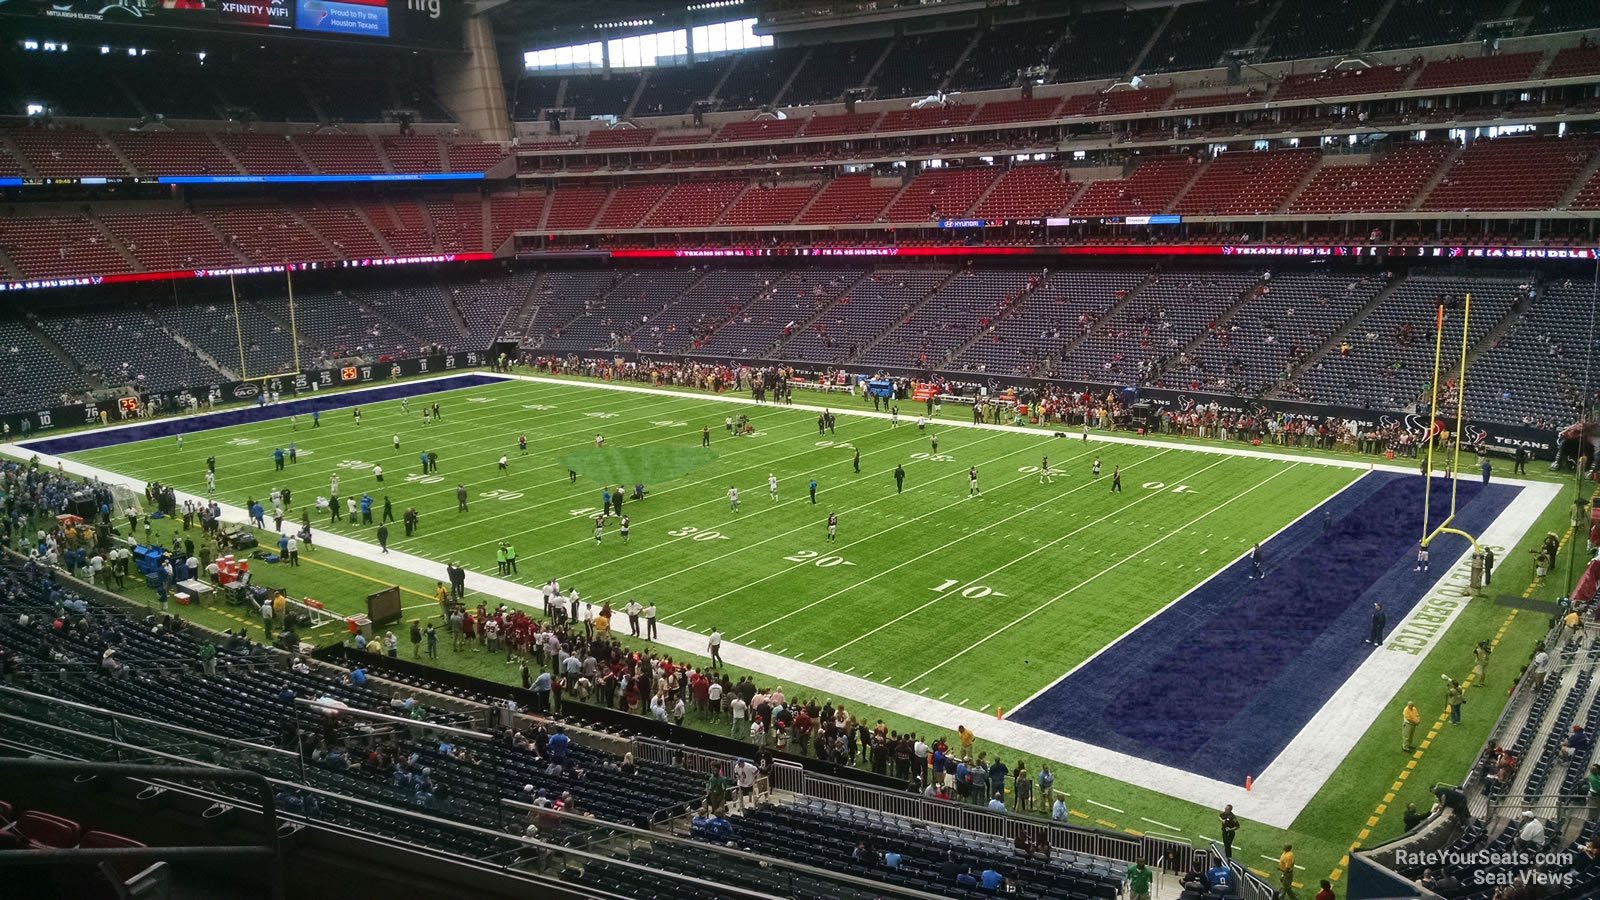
(1279, 793)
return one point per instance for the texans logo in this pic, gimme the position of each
(1387, 422)
(1259, 411)
(1184, 403)
(1475, 435)
(1416, 424)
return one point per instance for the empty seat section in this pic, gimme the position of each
(1149, 189)
(761, 205)
(758, 75)
(1167, 312)
(170, 240)
(341, 154)
(695, 204)
(1512, 173)
(266, 233)
(1286, 319)
(1389, 183)
(778, 310)
(1390, 350)
(174, 153)
(941, 194)
(67, 152)
(342, 226)
(265, 154)
(574, 208)
(671, 90)
(875, 303)
(1246, 183)
(1027, 192)
(413, 153)
(961, 308)
(1057, 311)
(629, 204)
(1505, 69)
(510, 213)
(850, 199)
(713, 300)
(1342, 82)
(46, 246)
(918, 64)
(831, 69)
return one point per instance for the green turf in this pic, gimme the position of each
(930, 590)
(1046, 548)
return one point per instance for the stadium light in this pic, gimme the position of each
(202, 55)
(49, 46)
(133, 51)
(104, 50)
(35, 109)
(30, 45)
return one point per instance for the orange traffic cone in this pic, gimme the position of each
(1249, 782)
(999, 713)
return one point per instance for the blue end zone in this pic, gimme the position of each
(171, 427)
(1220, 682)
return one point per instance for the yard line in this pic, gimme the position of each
(1014, 622)
(135, 449)
(784, 534)
(942, 547)
(980, 579)
(678, 487)
(1102, 805)
(402, 470)
(847, 546)
(1161, 824)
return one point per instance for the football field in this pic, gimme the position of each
(1131, 627)
(981, 599)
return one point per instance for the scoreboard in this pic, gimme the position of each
(434, 24)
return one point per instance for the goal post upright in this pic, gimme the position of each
(1455, 456)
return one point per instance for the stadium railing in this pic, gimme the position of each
(1170, 854)
(17, 705)
(45, 739)
(808, 875)
(268, 851)
(1251, 885)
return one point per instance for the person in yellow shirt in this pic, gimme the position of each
(966, 738)
(279, 602)
(1408, 726)
(1286, 872)
(442, 594)
(602, 625)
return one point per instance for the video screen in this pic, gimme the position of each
(356, 18)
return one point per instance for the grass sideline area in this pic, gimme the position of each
(1324, 830)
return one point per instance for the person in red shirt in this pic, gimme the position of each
(1326, 893)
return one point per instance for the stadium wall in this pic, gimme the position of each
(1540, 443)
(127, 409)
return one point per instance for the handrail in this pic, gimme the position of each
(397, 720)
(268, 848)
(269, 809)
(764, 861)
(1251, 885)
(129, 717)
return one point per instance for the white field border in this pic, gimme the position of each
(1279, 793)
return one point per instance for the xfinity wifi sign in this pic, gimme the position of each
(259, 14)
